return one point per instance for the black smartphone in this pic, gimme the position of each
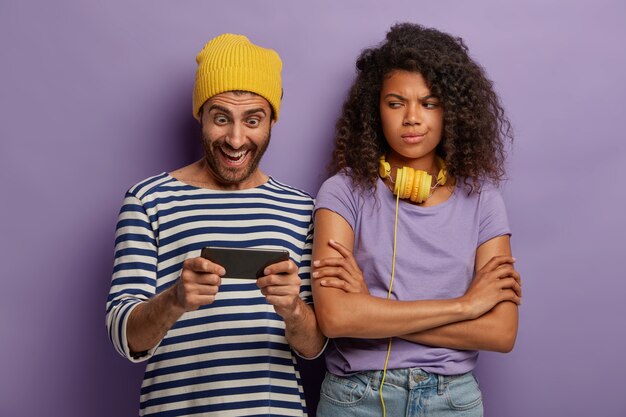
(244, 262)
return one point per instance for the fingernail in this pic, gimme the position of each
(323, 283)
(316, 263)
(331, 241)
(315, 274)
(266, 271)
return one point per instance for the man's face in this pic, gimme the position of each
(236, 129)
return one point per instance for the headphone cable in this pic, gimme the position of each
(393, 267)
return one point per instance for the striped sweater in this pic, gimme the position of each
(229, 358)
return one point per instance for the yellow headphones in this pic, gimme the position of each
(410, 183)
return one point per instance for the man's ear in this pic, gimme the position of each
(272, 123)
(200, 113)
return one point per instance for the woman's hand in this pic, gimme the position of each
(495, 282)
(341, 273)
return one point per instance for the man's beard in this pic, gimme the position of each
(229, 175)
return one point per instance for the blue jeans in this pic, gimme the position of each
(407, 392)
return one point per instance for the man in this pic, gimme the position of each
(214, 345)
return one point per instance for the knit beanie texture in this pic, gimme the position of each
(231, 62)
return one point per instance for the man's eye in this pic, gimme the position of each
(431, 105)
(220, 120)
(394, 104)
(254, 122)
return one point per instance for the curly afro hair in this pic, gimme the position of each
(475, 126)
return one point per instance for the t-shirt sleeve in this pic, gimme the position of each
(337, 194)
(494, 221)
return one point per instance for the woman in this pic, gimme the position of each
(418, 156)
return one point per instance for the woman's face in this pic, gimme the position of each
(412, 119)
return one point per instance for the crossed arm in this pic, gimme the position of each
(484, 318)
(495, 330)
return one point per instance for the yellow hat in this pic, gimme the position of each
(231, 62)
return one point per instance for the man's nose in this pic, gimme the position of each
(235, 137)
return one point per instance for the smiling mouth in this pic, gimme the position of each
(234, 157)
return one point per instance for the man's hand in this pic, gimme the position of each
(342, 273)
(281, 287)
(199, 283)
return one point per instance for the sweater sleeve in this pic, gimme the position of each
(304, 268)
(134, 272)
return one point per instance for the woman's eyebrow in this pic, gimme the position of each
(394, 95)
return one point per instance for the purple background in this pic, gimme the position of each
(97, 95)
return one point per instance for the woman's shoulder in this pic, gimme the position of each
(340, 186)
(486, 196)
(340, 180)
(478, 189)
(483, 195)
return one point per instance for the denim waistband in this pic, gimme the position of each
(410, 378)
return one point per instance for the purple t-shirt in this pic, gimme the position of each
(435, 255)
